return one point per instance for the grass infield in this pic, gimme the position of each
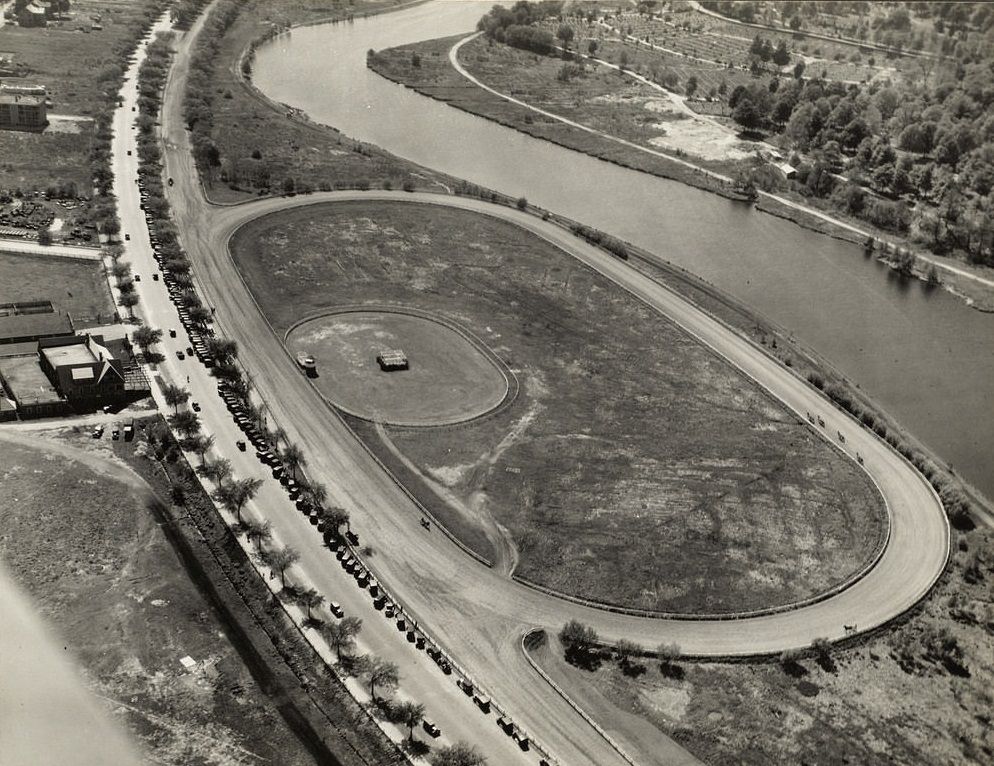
(634, 466)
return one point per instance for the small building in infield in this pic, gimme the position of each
(391, 360)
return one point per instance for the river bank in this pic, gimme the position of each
(580, 124)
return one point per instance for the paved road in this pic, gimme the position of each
(477, 613)
(421, 679)
(30, 247)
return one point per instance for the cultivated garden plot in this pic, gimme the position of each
(633, 467)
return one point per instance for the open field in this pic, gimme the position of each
(75, 67)
(76, 287)
(606, 476)
(314, 156)
(80, 534)
(918, 694)
(449, 378)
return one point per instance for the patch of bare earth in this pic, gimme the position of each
(82, 540)
(634, 467)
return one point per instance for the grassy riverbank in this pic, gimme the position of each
(634, 467)
(435, 77)
(619, 105)
(268, 148)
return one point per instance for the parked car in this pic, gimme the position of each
(432, 729)
(240, 444)
(180, 356)
(172, 333)
(195, 406)
(335, 609)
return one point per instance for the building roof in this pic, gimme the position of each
(19, 349)
(71, 354)
(34, 326)
(21, 99)
(392, 356)
(26, 381)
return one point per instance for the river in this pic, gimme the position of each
(922, 354)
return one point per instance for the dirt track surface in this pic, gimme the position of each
(477, 613)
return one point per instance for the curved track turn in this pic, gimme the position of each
(477, 612)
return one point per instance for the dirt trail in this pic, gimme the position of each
(475, 511)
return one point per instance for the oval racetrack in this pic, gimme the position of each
(477, 613)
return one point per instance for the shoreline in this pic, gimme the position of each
(674, 169)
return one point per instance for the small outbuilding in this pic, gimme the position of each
(391, 360)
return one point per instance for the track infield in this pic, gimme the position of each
(634, 467)
(450, 379)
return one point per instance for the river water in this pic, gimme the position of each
(923, 355)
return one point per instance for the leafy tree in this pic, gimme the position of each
(625, 650)
(341, 634)
(200, 315)
(691, 86)
(233, 495)
(258, 532)
(222, 349)
(332, 518)
(146, 337)
(592, 47)
(459, 754)
(668, 655)
(293, 459)
(129, 301)
(565, 34)
(799, 70)
(410, 714)
(316, 494)
(576, 635)
(310, 599)
(747, 113)
(175, 396)
(204, 443)
(186, 423)
(382, 673)
(217, 471)
(781, 57)
(281, 559)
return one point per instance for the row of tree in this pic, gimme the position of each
(233, 495)
(198, 100)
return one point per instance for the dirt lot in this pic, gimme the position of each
(76, 287)
(79, 534)
(917, 694)
(634, 466)
(448, 380)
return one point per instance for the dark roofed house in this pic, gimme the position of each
(19, 328)
(392, 359)
(82, 368)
